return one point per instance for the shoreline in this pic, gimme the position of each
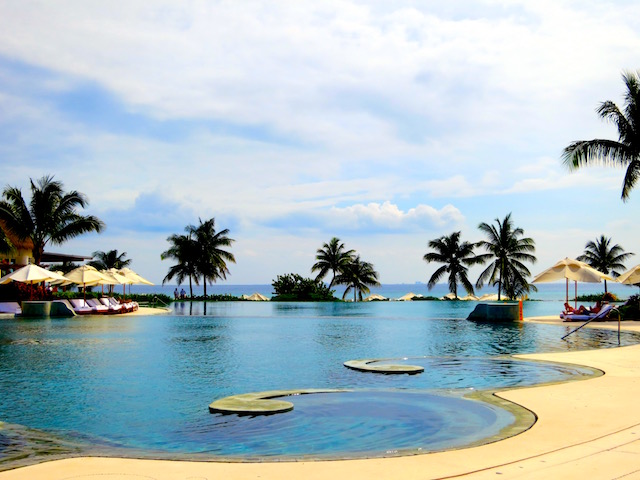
(588, 428)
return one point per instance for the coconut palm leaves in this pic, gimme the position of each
(211, 260)
(456, 257)
(50, 216)
(110, 259)
(626, 151)
(507, 251)
(199, 253)
(331, 257)
(5, 243)
(357, 276)
(605, 257)
(184, 251)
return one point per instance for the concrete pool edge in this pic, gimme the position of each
(584, 428)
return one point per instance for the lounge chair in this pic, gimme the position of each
(578, 317)
(81, 307)
(97, 306)
(10, 307)
(113, 307)
(126, 306)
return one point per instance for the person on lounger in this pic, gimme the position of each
(596, 308)
(569, 310)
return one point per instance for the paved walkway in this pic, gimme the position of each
(586, 429)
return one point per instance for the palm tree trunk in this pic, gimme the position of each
(605, 286)
(190, 288)
(204, 280)
(355, 291)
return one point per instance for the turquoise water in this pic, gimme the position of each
(143, 384)
(547, 292)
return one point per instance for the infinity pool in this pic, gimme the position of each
(141, 386)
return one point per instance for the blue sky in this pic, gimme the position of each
(385, 124)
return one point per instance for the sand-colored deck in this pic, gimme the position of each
(586, 429)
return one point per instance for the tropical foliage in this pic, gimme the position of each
(110, 259)
(183, 250)
(357, 275)
(622, 153)
(293, 287)
(211, 257)
(333, 257)
(456, 257)
(605, 257)
(507, 250)
(5, 243)
(199, 253)
(50, 216)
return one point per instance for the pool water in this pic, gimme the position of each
(145, 383)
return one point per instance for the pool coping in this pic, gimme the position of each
(587, 429)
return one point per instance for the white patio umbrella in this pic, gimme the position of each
(31, 274)
(134, 277)
(257, 297)
(407, 297)
(631, 276)
(570, 269)
(137, 279)
(87, 276)
(115, 278)
(374, 297)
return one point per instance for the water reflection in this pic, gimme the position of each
(138, 381)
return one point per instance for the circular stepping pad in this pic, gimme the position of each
(260, 403)
(365, 366)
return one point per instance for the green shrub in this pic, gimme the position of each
(292, 287)
(631, 309)
(603, 297)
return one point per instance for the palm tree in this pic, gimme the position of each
(184, 251)
(605, 258)
(108, 260)
(357, 276)
(5, 243)
(508, 251)
(456, 257)
(624, 152)
(50, 216)
(332, 256)
(212, 259)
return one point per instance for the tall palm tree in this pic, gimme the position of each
(331, 257)
(605, 258)
(50, 217)
(456, 257)
(508, 250)
(184, 251)
(357, 276)
(211, 262)
(626, 151)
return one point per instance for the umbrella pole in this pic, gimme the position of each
(575, 282)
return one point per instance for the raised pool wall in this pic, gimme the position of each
(56, 308)
(497, 312)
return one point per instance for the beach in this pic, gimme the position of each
(584, 429)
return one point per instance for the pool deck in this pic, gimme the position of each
(586, 429)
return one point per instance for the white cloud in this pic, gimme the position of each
(389, 218)
(310, 116)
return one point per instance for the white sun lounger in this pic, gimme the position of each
(577, 317)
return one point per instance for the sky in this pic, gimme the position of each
(386, 124)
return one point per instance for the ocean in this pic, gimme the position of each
(546, 291)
